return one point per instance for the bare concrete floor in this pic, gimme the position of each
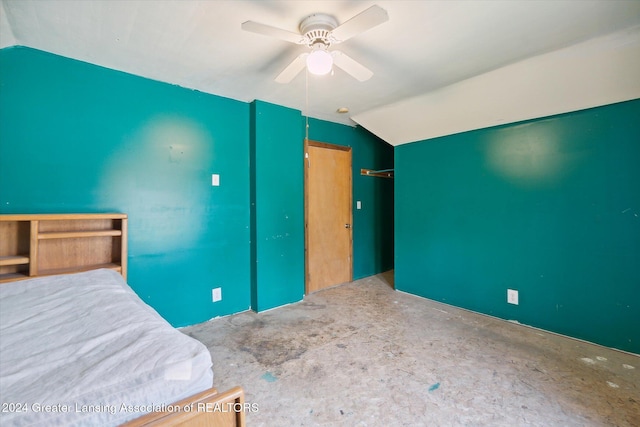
(361, 354)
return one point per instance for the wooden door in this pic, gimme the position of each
(328, 215)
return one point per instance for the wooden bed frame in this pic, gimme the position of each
(50, 244)
(206, 409)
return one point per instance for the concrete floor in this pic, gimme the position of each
(361, 354)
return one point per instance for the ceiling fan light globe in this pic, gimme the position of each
(319, 62)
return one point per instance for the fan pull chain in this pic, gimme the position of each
(306, 116)
(306, 105)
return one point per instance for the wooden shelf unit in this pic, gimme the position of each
(45, 244)
(14, 260)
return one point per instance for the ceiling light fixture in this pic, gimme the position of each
(320, 31)
(319, 61)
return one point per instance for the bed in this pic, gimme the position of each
(83, 349)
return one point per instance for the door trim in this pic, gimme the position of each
(310, 143)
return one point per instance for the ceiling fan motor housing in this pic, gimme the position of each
(317, 28)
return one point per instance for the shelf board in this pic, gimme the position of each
(12, 277)
(74, 234)
(57, 217)
(54, 271)
(14, 260)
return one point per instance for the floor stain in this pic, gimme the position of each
(351, 348)
(268, 377)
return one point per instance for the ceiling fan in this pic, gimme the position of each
(319, 32)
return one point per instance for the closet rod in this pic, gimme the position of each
(382, 173)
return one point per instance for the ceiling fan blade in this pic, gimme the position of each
(293, 69)
(268, 30)
(351, 66)
(360, 23)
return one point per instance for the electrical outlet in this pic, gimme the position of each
(216, 294)
(215, 180)
(512, 296)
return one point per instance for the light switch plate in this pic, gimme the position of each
(358, 204)
(215, 180)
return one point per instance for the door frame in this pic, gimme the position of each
(311, 143)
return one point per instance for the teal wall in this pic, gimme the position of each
(277, 221)
(80, 138)
(76, 137)
(549, 207)
(372, 250)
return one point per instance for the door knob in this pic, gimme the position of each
(347, 226)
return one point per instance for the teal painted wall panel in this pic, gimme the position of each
(278, 206)
(373, 224)
(549, 207)
(81, 138)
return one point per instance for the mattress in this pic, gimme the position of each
(83, 349)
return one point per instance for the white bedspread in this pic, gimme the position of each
(88, 347)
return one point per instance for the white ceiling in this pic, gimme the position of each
(424, 47)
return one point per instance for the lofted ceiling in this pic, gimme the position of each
(424, 48)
